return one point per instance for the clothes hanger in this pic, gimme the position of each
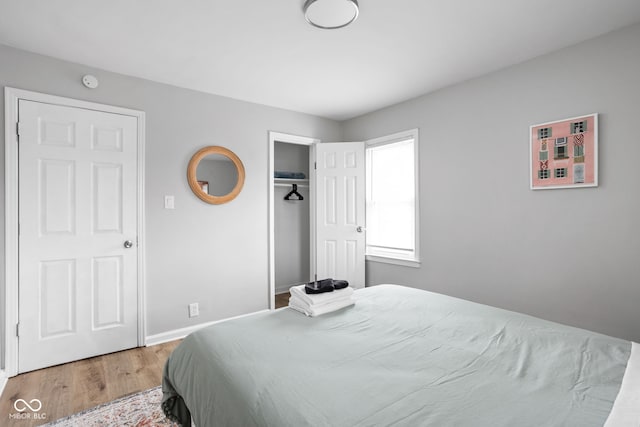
(294, 192)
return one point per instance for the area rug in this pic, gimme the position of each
(138, 409)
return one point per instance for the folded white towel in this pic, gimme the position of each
(317, 310)
(325, 297)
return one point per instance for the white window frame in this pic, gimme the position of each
(391, 258)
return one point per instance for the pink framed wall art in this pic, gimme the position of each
(564, 153)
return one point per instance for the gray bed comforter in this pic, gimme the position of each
(400, 356)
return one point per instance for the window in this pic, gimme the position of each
(543, 174)
(544, 155)
(579, 127)
(544, 133)
(560, 152)
(391, 199)
(561, 172)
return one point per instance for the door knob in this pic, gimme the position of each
(360, 229)
(128, 244)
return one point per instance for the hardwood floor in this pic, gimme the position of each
(74, 387)
(282, 300)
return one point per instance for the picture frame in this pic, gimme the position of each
(564, 153)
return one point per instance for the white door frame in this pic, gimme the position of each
(289, 139)
(11, 97)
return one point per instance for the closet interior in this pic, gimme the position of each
(291, 215)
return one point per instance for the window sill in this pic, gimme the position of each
(396, 261)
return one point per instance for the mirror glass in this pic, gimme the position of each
(215, 174)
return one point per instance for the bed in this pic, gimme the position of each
(405, 357)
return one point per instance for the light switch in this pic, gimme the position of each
(169, 202)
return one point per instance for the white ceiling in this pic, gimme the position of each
(264, 51)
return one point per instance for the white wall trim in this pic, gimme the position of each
(290, 139)
(3, 381)
(11, 97)
(10, 345)
(177, 334)
(142, 251)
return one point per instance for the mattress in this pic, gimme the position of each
(400, 356)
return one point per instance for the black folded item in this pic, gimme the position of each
(319, 286)
(340, 284)
(324, 285)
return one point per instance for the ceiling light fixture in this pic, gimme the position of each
(330, 14)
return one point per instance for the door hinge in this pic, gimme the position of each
(315, 165)
(19, 127)
(17, 329)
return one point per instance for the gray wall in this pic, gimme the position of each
(571, 256)
(291, 219)
(214, 255)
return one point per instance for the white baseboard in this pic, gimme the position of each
(177, 334)
(3, 381)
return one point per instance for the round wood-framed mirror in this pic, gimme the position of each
(215, 174)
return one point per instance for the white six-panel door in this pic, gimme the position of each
(77, 208)
(340, 215)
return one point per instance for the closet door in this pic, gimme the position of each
(340, 211)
